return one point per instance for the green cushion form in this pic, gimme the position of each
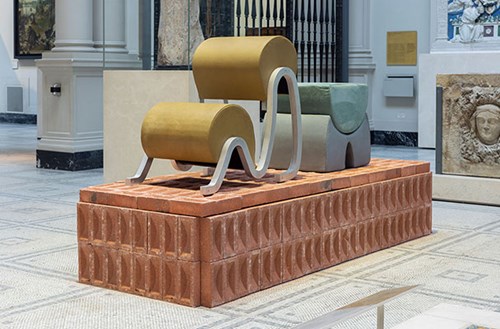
(345, 103)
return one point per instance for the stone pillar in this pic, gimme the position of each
(361, 61)
(111, 32)
(74, 26)
(70, 123)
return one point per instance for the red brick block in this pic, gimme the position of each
(422, 168)
(345, 236)
(139, 273)
(292, 219)
(242, 275)
(288, 260)
(255, 274)
(125, 271)
(428, 219)
(188, 287)
(340, 182)
(377, 175)
(96, 224)
(325, 212)
(308, 213)
(85, 262)
(212, 284)
(273, 227)
(361, 245)
(316, 251)
(299, 267)
(99, 267)
(154, 278)
(359, 178)
(373, 236)
(111, 226)
(408, 169)
(254, 228)
(139, 231)
(188, 238)
(112, 268)
(231, 279)
(84, 214)
(125, 229)
(169, 279)
(212, 238)
(230, 239)
(271, 266)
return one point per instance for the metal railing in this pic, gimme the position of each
(318, 29)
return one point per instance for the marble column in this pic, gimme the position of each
(70, 123)
(74, 26)
(109, 33)
(361, 59)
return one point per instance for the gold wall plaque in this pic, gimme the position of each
(402, 48)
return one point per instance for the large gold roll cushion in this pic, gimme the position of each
(194, 132)
(239, 68)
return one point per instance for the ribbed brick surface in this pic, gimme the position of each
(212, 259)
(179, 194)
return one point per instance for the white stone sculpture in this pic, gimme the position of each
(179, 32)
(485, 122)
(470, 31)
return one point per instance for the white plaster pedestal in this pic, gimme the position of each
(466, 189)
(70, 125)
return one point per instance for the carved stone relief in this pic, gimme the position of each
(179, 32)
(471, 124)
(471, 20)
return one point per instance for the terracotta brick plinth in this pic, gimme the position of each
(163, 240)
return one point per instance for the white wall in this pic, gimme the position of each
(396, 114)
(13, 72)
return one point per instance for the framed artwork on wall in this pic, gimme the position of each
(34, 31)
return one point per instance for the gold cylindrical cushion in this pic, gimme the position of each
(240, 67)
(194, 132)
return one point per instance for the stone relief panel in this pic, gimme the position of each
(179, 33)
(473, 20)
(471, 124)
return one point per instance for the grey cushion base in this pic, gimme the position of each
(324, 148)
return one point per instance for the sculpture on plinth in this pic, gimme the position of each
(179, 33)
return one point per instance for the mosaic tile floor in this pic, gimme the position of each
(458, 264)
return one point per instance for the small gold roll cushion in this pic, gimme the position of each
(194, 132)
(240, 68)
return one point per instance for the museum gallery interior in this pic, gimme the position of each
(250, 164)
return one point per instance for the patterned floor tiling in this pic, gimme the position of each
(37, 299)
(464, 219)
(22, 241)
(58, 263)
(65, 224)
(111, 310)
(462, 276)
(437, 238)
(22, 210)
(474, 247)
(358, 266)
(30, 290)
